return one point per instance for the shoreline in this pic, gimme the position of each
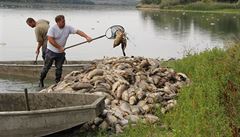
(147, 6)
(153, 7)
(55, 5)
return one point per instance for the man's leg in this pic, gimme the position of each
(44, 49)
(47, 65)
(59, 60)
(43, 55)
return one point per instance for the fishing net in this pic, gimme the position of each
(110, 34)
(111, 31)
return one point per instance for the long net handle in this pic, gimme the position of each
(85, 42)
(111, 29)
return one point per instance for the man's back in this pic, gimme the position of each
(41, 30)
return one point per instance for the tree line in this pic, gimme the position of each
(51, 1)
(185, 1)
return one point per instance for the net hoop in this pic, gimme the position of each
(111, 31)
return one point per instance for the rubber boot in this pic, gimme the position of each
(41, 84)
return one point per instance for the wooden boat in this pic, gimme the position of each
(30, 70)
(49, 112)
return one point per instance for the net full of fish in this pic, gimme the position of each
(120, 38)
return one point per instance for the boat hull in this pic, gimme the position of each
(62, 111)
(29, 70)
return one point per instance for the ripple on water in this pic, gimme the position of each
(17, 86)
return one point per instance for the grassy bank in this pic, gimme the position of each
(199, 111)
(208, 6)
(215, 7)
(210, 105)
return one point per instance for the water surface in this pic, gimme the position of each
(151, 33)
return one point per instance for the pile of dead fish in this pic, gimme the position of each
(134, 88)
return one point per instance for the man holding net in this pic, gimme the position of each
(57, 38)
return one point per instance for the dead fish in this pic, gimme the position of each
(140, 94)
(120, 90)
(135, 109)
(122, 66)
(116, 111)
(111, 120)
(123, 122)
(147, 108)
(96, 72)
(133, 118)
(81, 85)
(124, 106)
(104, 125)
(132, 100)
(125, 95)
(181, 77)
(109, 78)
(142, 103)
(107, 101)
(150, 100)
(115, 86)
(118, 128)
(151, 118)
(98, 121)
(120, 38)
(97, 80)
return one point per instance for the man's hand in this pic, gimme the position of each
(61, 49)
(37, 51)
(89, 39)
(54, 43)
(40, 43)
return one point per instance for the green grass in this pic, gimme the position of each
(207, 6)
(212, 102)
(198, 111)
(213, 7)
(146, 130)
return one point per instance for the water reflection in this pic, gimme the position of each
(219, 26)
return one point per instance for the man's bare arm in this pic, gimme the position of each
(54, 43)
(40, 44)
(81, 33)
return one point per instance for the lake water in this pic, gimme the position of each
(16, 85)
(154, 34)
